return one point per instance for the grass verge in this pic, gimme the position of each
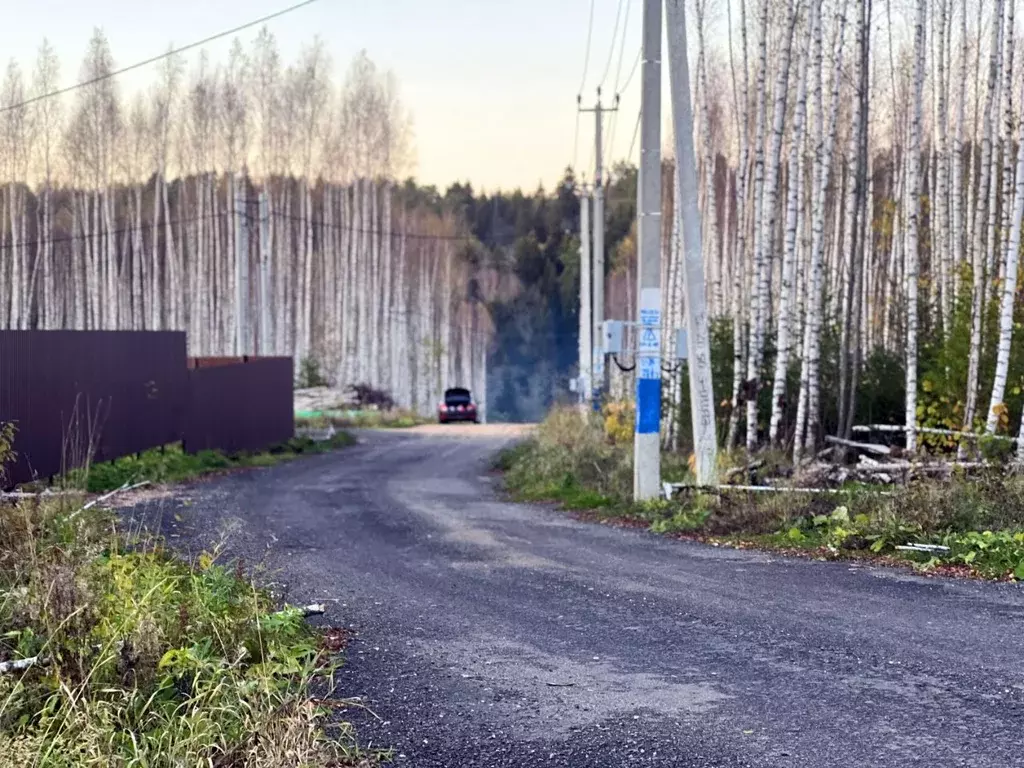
(368, 419)
(142, 659)
(583, 464)
(171, 464)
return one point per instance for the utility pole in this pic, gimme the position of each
(264, 275)
(702, 401)
(647, 443)
(586, 338)
(597, 315)
(241, 272)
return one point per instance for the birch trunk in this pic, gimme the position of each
(1009, 292)
(912, 258)
(978, 249)
(763, 250)
(807, 422)
(789, 255)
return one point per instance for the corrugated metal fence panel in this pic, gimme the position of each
(119, 391)
(241, 407)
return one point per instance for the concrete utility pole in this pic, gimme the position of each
(241, 273)
(264, 275)
(586, 337)
(597, 314)
(647, 443)
(702, 400)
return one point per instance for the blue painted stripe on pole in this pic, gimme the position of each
(648, 406)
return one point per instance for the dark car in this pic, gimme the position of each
(457, 405)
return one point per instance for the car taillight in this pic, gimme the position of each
(471, 407)
(460, 409)
(442, 407)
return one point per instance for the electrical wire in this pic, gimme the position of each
(621, 367)
(366, 230)
(632, 70)
(622, 48)
(586, 56)
(154, 59)
(61, 239)
(636, 130)
(618, 73)
(103, 233)
(583, 82)
(611, 51)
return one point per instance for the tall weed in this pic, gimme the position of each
(144, 659)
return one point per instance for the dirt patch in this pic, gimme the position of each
(474, 430)
(336, 639)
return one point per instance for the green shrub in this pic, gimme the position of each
(569, 453)
(146, 659)
(171, 464)
(310, 374)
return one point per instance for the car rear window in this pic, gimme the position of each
(457, 396)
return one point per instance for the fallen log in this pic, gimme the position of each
(898, 428)
(878, 450)
(669, 488)
(731, 473)
(19, 665)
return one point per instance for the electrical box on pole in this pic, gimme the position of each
(681, 352)
(611, 335)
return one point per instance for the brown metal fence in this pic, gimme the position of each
(76, 395)
(70, 394)
(239, 406)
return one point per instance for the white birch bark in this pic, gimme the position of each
(978, 249)
(912, 258)
(1009, 292)
(789, 254)
(764, 250)
(807, 420)
(741, 207)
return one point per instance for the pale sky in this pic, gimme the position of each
(491, 84)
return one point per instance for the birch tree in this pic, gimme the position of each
(912, 256)
(978, 263)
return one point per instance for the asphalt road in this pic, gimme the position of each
(497, 634)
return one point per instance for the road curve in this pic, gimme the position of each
(498, 634)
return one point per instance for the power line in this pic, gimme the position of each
(618, 73)
(583, 82)
(154, 59)
(105, 232)
(586, 57)
(611, 50)
(636, 130)
(366, 230)
(622, 48)
(632, 70)
(147, 227)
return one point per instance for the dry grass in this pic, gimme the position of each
(147, 660)
(585, 463)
